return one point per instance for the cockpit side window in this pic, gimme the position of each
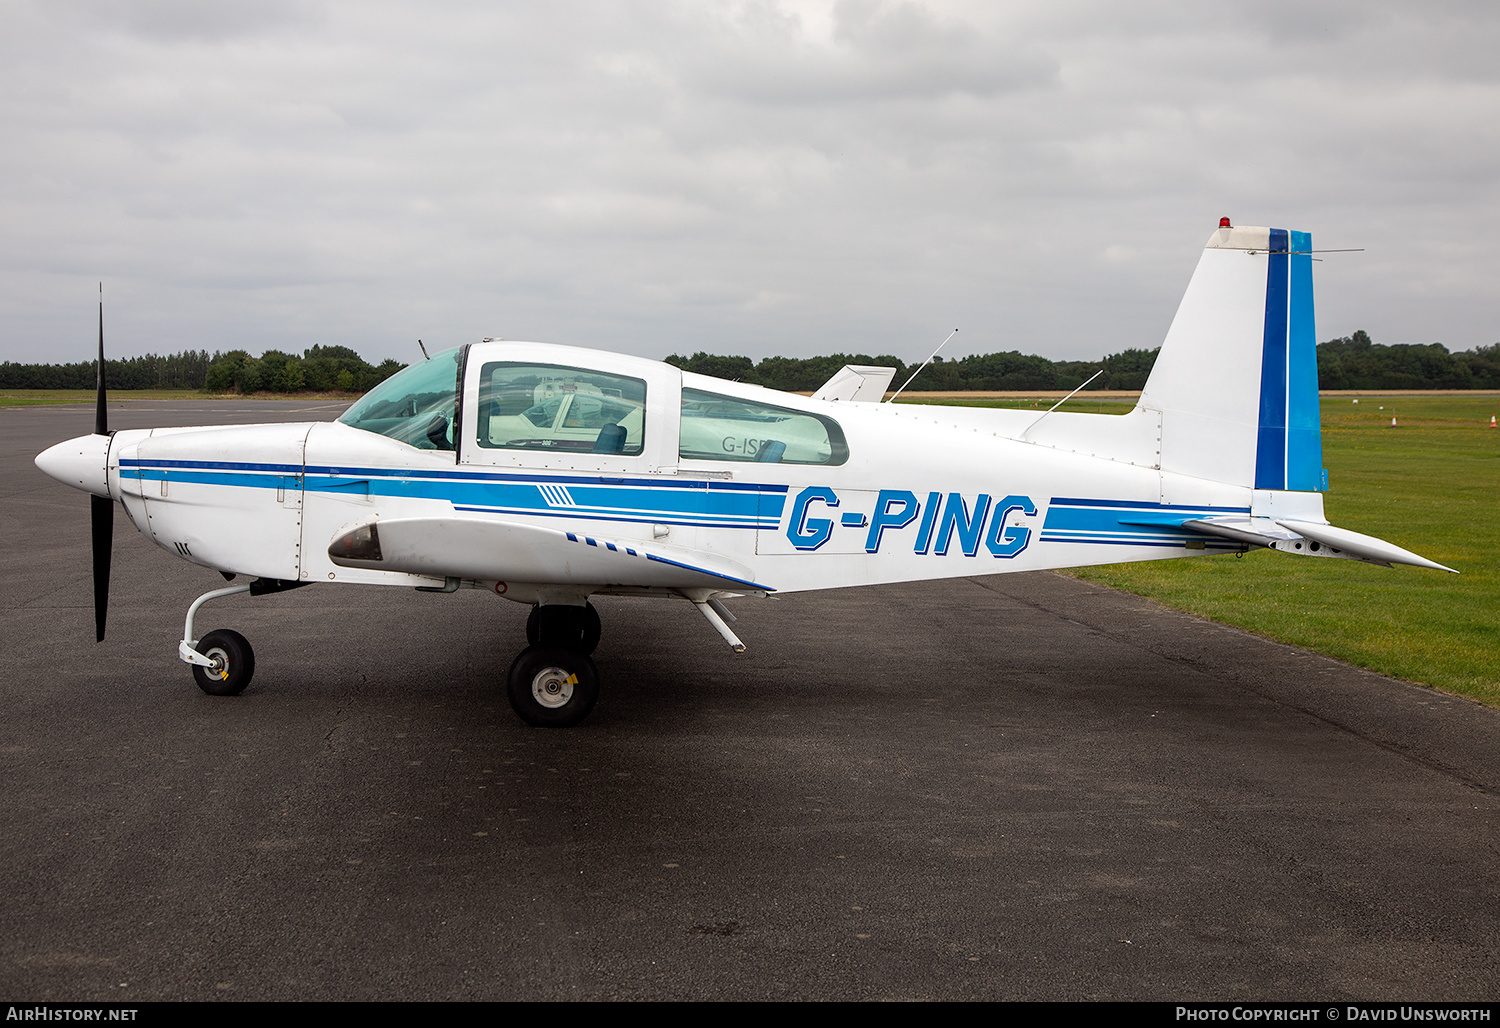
(560, 409)
(718, 427)
(417, 406)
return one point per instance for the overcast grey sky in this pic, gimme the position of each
(763, 177)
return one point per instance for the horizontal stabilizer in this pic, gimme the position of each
(508, 551)
(1251, 531)
(1290, 537)
(1364, 547)
(857, 383)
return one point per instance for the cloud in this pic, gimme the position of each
(172, 21)
(755, 177)
(876, 53)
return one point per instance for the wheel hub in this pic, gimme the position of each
(553, 687)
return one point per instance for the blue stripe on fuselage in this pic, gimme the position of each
(1076, 520)
(683, 502)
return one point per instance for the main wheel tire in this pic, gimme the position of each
(593, 631)
(572, 628)
(234, 663)
(552, 687)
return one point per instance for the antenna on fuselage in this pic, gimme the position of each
(928, 361)
(424, 350)
(1058, 404)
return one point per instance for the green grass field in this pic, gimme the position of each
(1432, 485)
(44, 397)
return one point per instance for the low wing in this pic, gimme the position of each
(509, 551)
(1300, 537)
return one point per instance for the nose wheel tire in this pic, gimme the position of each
(234, 663)
(552, 687)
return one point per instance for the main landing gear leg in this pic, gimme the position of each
(572, 628)
(553, 683)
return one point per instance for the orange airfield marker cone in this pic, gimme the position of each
(1393, 422)
(1492, 421)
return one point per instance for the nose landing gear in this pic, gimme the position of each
(223, 662)
(232, 663)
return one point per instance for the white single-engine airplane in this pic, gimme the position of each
(547, 474)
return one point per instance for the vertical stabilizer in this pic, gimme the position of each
(1236, 382)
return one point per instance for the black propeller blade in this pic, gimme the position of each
(101, 508)
(101, 420)
(102, 521)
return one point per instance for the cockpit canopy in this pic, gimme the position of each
(568, 411)
(417, 406)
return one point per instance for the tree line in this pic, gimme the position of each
(1354, 362)
(990, 371)
(321, 369)
(1349, 362)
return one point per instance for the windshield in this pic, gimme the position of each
(415, 406)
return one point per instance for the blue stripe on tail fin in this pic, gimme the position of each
(1304, 438)
(1270, 451)
(1289, 447)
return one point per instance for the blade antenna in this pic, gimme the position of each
(424, 350)
(928, 361)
